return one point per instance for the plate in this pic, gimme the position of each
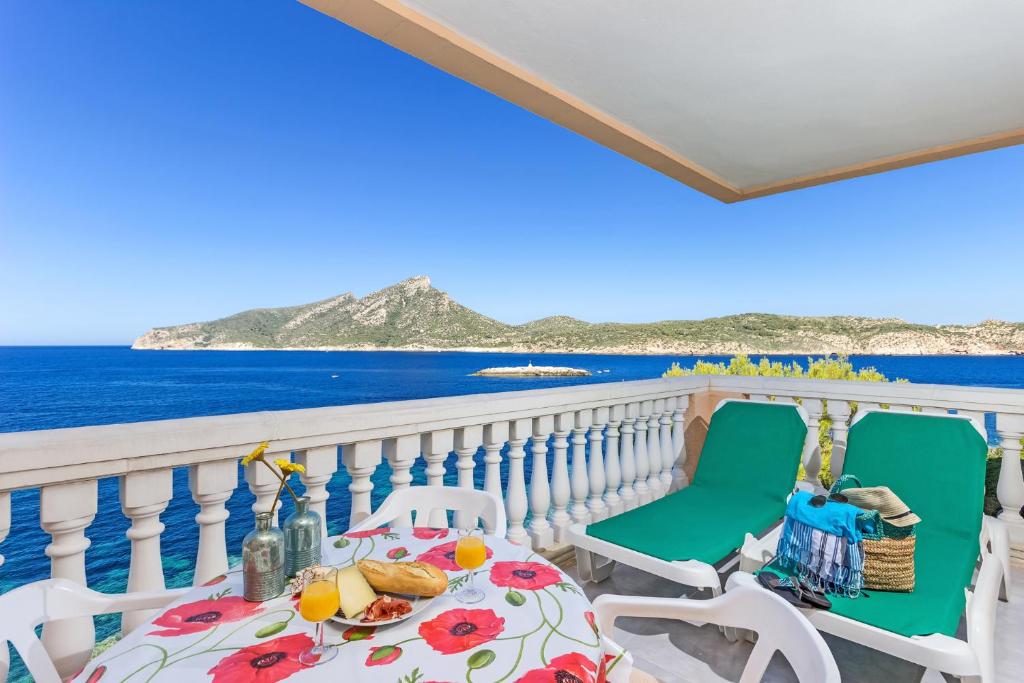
(418, 605)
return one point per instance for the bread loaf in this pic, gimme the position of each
(407, 578)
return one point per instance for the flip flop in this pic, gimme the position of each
(784, 588)
(813, 597)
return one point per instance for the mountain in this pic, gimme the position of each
(414, 315)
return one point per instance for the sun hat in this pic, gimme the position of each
(881, 498)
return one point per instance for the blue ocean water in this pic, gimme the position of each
(51, 387)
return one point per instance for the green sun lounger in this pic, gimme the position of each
(936, 465)
(747, 468)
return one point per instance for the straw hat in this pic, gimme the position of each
(881, 498)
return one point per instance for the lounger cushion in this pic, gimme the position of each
(746, 470)
(936, 465)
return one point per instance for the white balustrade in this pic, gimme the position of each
(627, 458)
(144, 495)
(401, 453)
(668, 455)
(579, 483)
(612, 469)
(541, 532)
(679, 478)
(436, 446)
(320, 464)
(812, 446)
(65, 512)
(654, 449)
(1010, 488)
(467, 442)
(212, 484)
(643, 463)
(264, 484)
(595, 467)
(361, 460)
(515, 498)
(495, 436)
(839, 413)
(560, 491)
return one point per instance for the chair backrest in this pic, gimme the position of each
(779, 626)
(753, 446)
(934, 463)
(25, 608)
(422, 500)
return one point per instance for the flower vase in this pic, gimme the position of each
(263, 558)
(302, 536)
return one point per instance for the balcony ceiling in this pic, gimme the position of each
(736, 99)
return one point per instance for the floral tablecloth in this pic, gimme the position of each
(535, 625)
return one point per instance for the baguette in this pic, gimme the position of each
(407, 578)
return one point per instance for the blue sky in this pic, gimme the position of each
(168, 162)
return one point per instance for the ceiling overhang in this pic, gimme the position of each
(662, 83)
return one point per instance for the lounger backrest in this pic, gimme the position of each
(752, 447)
(934, 463)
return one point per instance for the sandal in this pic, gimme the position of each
(784, 588)
(814, 597)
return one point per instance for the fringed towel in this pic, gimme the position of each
(822, 545)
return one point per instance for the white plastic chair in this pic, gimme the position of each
(25, 608)
(422, 500)
(779, 626)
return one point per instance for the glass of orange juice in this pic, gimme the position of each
(470, 554)
(319, 602)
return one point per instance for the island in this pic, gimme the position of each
(532, 370)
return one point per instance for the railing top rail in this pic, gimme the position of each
(109, 450)
(986, 399)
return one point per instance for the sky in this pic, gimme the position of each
(168, 162)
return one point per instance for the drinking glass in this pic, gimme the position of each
(470, 554)
(319, 602)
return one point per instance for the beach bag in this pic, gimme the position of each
(889, 538)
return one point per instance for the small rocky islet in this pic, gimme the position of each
(532, 370)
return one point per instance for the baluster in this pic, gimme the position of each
(263, 484)
(679, 478)
(144, 495)
(665, 440)
(812, 447)
(65, 511)
(467, 442)
(212, 484)
(579, 483)
(320, 464)
(515, 499)
(595, 470)
(560, 494)
(436, 446)
(401, 453)
(361, 460)
(654, 449)
(495, 436)
(643, 464)
(612, 469)
(627, 460)
(540, 492)
(1010, 489)
(839, 412)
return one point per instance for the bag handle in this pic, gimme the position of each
(841, 483)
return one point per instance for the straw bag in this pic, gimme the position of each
(887, 526)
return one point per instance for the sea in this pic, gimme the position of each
(56, 387)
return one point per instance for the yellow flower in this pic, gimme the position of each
(257, 453)
(287, 467)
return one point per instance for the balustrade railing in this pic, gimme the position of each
(577, 454)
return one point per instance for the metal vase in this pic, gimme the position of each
(302, 537)
(263, 560)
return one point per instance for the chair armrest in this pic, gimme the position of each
(129, 602)
(981, 613)
(757, 552)
(608, 608)
(995, 537)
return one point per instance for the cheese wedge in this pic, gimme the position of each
(356, 593)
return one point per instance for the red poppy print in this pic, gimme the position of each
(359, 633)
(203, 615)
(531, 576)
(458, 630)
(369, 532)
(397, 553)
(266, 662)
(571, 668)
(215, 580)
(379, 656)
(96, 674)
(425, 533)
(592, 621)
(443, 556)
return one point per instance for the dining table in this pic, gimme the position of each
(533, 625)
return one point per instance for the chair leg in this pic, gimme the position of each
(591, 568)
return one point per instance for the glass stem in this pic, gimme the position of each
(471, 586)
(321, 627)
